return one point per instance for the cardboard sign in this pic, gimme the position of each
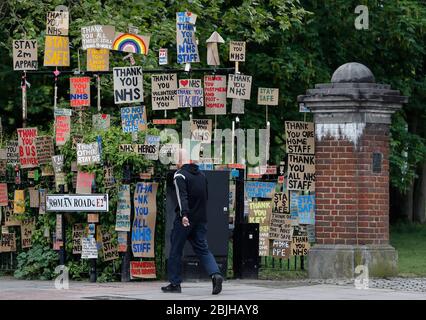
(10, 218)
(109, 249)
(142, 270)
(4, 197)
(57, 23)
(99, 37)
(143, 229)
(42, 197)
(8, 242)
(122, 241)
(56, 51)
(27, 147)
(201, 130)
(34, 197)
(27, 229)
(267, 96)
(300, 137)
(259, 189)
(310, 230)
(25, 55)
(164, 91)
(239, 86)
(294, 212)
(215, 94)
(60, 181)
(301, 172)
(89, 249)
(58, 163)
(62, 129)
(88, 153)
(128, 85)
(85, 182)
(133, 43)
(77, 202)
(92, 218)
(260, 212)
(3, 162)
(19, 202)
(190, 93)
(281, 227)
(109, 179)
(44, 145)
(97, 59)
(80, 91)
(280, 202)
(237, 51)
(101, 121)
(162, 57)
(281, 249)
(186, 43)
(300, 246)
(122, 222)
(58, 227)
(12, 153)
(306, 209)
(133, 119)
(77, 235)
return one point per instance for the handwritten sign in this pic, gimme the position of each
(122, 241)
(294, 212)
(186, 43)
(80, 91)
(27, 147)
(142, 270)
(306, 209)
(281, 227)
(164, 91)
(128, 85)
(300, 246)
(143, 230)
(58, 163)
(239, 86)
(77, 202)
(133, 119)
(98, 37)
(27, 229)
(201, 130)
(77, 235)
(89, 249)
(259, 189)
(109, 249)
(310, 231)
(34, 197)
(260, 212)
(57, 23)
(12, 153)
(44, 145)
(162, 57)
(129, 42)
(85, 182)
(281, 249)
(8, 242)
(3, 162)
(109, 180)
(237, 51)
(300, 137)
(10, 218)
(267, 96)
(97, 59)
(19, 202)
(25, 55)
(101, 121)
(56, 51)
(4, 198)
(190, 93)
(42, 197)
(164, 121)
(88, 153)
(215, 94)
(301, 172)
(62, 129)
(122, 222)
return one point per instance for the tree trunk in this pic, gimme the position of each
(420, 196)
(408, 203)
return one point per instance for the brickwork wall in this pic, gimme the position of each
(352, 202)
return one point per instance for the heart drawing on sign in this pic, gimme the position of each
(184, 83)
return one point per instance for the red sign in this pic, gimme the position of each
(236, 166)
(254, 175)
(281, 179)
(3, 195)
(27, 147)
(142, 269)
(80, 91)
(62, 129)
(164, 121)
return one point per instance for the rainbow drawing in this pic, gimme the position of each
(132, 43)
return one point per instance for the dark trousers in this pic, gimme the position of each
(196, 234)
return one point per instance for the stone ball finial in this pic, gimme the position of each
(353, 72)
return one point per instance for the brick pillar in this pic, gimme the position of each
(352, 116)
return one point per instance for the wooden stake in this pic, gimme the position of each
(98, 82)
(24, 99)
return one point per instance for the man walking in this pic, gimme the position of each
(190, 224)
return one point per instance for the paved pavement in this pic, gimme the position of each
(12, 289)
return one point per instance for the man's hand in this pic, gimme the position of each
(185, 221)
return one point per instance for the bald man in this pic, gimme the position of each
(190, 224)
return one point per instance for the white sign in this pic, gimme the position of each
(77, 202)
(89, 250)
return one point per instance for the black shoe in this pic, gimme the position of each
(171, 288)
(217, 280)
